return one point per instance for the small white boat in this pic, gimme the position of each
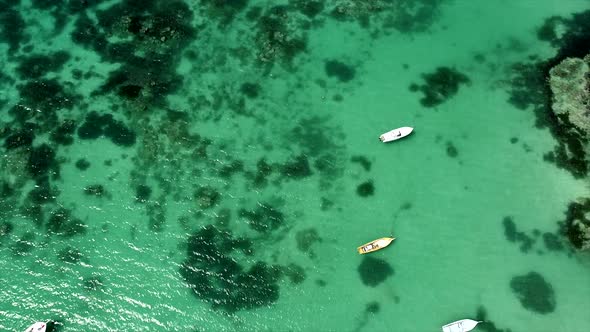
(37, 327)
(375, 245)
(396, 134)
(462, 325)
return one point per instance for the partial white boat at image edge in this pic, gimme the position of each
(37, 327)
(463, 325)
(396, 134)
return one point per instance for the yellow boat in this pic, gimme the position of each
(375, 245)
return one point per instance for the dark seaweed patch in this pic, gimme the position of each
(297, 168)
(274, 38)
(534, 293)
(552, 242)
(157, 215)
(119, 134)
(22, 138)
(70, 255)
(63, 133)
(309, 8)
(161, 29)
(374, 271)
(513, 235)
(97, 125)
(577, 223)
(232, 168)
(486, 324)
(47, 95)
(62, 223)
(142, 193)
(223, 218)
(37, 65)
(42, 193)
(326, 204)
(224, 11)
(217, 278)
(372, 307)
(42, 161)
(264, 218)
(207, 197)
(24, 245)
(95, 190)
(6, 229)
(92, 283)
(365, 189)
(306, 239)
(295, 273)
(130, 91)
(441, 85)
(93, 127)
(404, 16)
(82, 164)
(452, 151)
(340, 70)
(250, 90)
(12, 27)
(363, 161)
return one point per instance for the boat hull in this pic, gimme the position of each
(394, 135)
(375, 245)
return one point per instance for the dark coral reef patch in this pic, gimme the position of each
(343, 72)
(440, 86)
(99, 125)
(264, 219)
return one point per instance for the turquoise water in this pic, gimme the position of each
(242, 154)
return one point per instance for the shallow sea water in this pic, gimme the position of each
(290, 163)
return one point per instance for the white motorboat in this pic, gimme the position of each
(396, 134)
(37, 327)
(463, 325)
(375, 245)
